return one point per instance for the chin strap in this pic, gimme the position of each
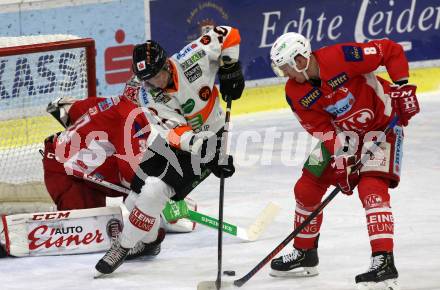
(303, 71)
(305, 75)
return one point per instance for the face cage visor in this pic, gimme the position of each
(165, 67)
(280, 73)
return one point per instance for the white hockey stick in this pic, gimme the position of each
(252, 233)
(263, 220)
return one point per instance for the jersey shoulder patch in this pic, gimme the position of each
(352, 53)
(105, 105)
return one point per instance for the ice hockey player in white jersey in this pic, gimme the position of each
(183, 100)
(181, 88)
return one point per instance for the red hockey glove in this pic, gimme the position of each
(345, 178)
(404, 101)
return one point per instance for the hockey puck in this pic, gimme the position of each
(229, 273)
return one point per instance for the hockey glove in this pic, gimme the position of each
(231, 80)
(203, 144)
(59, 109)
(404, 101)
(345, 178)
(225, 166)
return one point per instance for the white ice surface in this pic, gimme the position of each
(344, 247)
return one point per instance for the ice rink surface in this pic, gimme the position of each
(263, 176)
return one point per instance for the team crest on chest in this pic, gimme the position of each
(358, 121)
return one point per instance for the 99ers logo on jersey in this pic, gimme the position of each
(205, 93)
(205, 39)
(358, 121)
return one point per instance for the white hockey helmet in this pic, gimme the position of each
(286, 48)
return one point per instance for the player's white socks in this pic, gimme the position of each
(145, 208)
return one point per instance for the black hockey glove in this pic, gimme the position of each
(226, 167)
(231, 80)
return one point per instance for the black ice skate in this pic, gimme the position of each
(147, 250)
(114, 257)
(299, 263)
(382, 274)
(3, 252)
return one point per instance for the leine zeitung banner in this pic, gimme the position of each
(118, 25)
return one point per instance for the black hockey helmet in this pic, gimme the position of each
(148, 59)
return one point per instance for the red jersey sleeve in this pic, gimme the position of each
(362, 58)
(81, 107)
(130, 137)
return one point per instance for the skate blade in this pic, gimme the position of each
(296, 273)
(210, 285)
(390, 284)
(140, 259)
(99, 275)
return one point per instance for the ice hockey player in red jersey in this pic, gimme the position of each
(337, 98)
(70, 191)
(106, 138)
(67, 187)
(185, 111)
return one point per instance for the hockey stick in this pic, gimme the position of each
(252, 233)
(206, 285)
(223, 155)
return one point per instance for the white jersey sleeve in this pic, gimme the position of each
(221, 42)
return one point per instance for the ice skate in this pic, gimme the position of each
(147, 250)
(114, 257)
(299, 263)
(382, 274)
